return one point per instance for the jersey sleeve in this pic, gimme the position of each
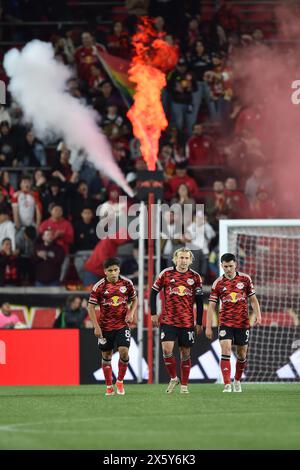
(94, 296)
(131, 291)
(249, 287)
(198, 281)
(214, 294)
(159, 283)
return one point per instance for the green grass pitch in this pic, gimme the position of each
(262, 417)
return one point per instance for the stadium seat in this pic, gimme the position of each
(22, 313)
(43, 317)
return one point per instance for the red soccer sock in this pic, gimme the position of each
(185, 370)
(170, 363)
(226, 369)
(240, 367)
(122, 369)
(107, 371)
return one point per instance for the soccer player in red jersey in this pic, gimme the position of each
(182, 287)
(113, 293)
(233, 290)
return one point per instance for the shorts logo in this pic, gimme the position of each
(162, 335)
(190, 282)
(240, 285)
(123, 289)
(222, 333)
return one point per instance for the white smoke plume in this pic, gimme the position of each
(38, 84)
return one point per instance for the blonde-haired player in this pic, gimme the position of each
(182, 287)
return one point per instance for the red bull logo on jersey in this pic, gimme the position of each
(115, 301)
(181, 291)
(233, 297)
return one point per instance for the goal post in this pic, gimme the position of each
(269, 251)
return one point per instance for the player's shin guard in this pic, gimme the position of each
(241, 365)
(170, 363)
(107, 371)
(122, 368)
(225, 368)
(185, 370)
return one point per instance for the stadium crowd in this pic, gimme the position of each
(211, 152)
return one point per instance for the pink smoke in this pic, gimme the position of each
(266, 75)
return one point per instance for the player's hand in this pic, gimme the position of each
(154, 320)
(209, 333)
(257, 321)
(129, 318)
(98, 332)
(198, 329)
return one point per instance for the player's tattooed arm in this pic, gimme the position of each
(256, 309)
(210, 314)
(131, 311)
(92, 315)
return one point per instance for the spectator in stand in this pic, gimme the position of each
(75, 89)
(200, 64)
(113, 207)
(96, 80)
(75, 312)
(55, 193)
(26, 205)
(257, 180)
(8, 320)
(106, 248)
(9, 268)
(32, 152)
(98, 188)
(7, 228)
(183, 198)
(201, 149)
(166, 161)
(78, 199)
(6, 188)
(85, 239)
(236, 200)
(118, 41)
(160, 24)
(48, 258)
(171, 235)
(62, 168)
(4, 115)
(181, 177)
(65, 48)
(192, 33)
(26, 249)
(8, 145)
(199, 235)
(215, 205)
(87, 55)
(219, 81)
(39, 184)
(130, 265)
(182, 86)
(63, 231)
(263, 206)
(112, 121)
(107, 96)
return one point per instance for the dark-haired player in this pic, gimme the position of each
(182, 287)
(117, 299)
(233, 290)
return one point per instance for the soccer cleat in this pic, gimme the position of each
(109, 391)
(120, 387)
(172, 384)
(184, 389)
(237, 386)
(227, 388)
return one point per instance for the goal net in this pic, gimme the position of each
(269, 251)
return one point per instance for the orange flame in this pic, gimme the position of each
(153, 57)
